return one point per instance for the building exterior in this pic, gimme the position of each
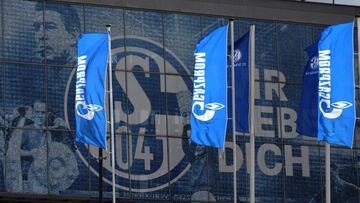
(152, 49)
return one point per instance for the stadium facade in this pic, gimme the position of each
(152, 49)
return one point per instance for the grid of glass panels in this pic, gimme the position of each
(152, 81)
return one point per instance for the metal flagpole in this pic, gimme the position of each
(108, 28)
(233, 106)
(358, 38)
(100, 175)
(327, 173)
(252, 105)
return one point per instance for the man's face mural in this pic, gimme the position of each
(39, 114)
(52, 37)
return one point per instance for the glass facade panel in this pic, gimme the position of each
(1, 30)
(266, 112)
(61, 96)
(23, 33)
(152, 87)
(147, 102)
(294, 37)
(303, 173)
(2, 110)
(265, 44)
(347, 2)
(26, 161)
(149, 167)
(2, 157)
(25, 95)
(178, 101)
(63, 24)
(179, 53)
(191, 167)
(144, 29)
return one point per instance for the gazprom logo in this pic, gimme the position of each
(209, 112)
(333, 110)
(87, 111)
(329, 110)
(84, 110)
(199, 91)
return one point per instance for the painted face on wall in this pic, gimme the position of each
(52, 38)
(39, 114)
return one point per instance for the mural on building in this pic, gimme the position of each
(152, 80)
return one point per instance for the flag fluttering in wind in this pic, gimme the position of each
(90, 89)
(327, 108)
(209, 102)
(241, 77)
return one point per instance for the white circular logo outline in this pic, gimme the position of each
(83, 158)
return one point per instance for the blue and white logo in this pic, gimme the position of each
(84, 110)
(87, 111)
(333, 110)
(237, 55)
(209, 113)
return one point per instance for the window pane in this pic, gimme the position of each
(61, 90)
(181, 35)
(179, 98)
(344, 181)
(63, 163)
(304, 172)
(25, 95)
(265, 45)
(146, 101)
(2, 159)
(63, 24)
(2, 110)
(26, 156)
(149, 167)
(23, 32)
(293, 40)
(189, 166)
(144, 41)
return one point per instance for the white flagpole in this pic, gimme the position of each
(233, 107)
(108, 28)
(252, 105)
(327, 173)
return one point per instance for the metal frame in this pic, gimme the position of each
(294, 11)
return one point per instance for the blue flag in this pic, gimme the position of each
(209, 111)
(336, 85)
(241, 65)
(308, 109)
(335, 112)
(90, 89)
